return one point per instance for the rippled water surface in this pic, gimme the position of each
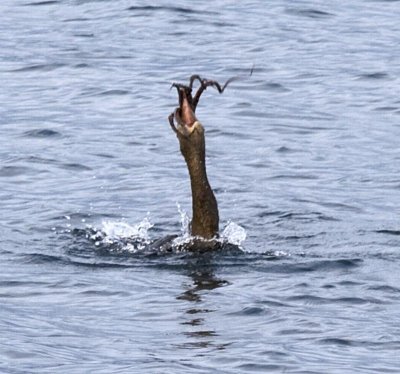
(303, 157)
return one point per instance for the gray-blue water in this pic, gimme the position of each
(303, 156)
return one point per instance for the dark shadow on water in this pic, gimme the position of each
(84, 248)
(202, 282)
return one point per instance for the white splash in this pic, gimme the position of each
(121, 234)
(123, 230)
(185, 236)
(185, 221)
(234, 234)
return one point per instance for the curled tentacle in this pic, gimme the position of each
(183, 90)
(197, 95)
(171, 122)
(181, 129)
(180, 86)
(194, 78)
(186, 91)
(204, 83)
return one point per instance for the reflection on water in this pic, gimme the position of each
(200, 334)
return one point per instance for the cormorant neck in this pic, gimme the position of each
(205, 219)
(204, 204)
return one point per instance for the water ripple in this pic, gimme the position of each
(390, 232)
(374, 76)
(173, 9)
(310, 299)
(42, 133)
(40, 3)
(14, 171)
(115, 92)
(309, 13)
(39, 68)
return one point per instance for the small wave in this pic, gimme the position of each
(250, 113)
(42, 133)
(40, 160)
(342, 207)
(93, 92)
(297, 216)
(81, 66)
(310, 13)
(21, 283)
(39, 67)
(104, 155)
(14, 171)
(385, 289)
(75, 166)
(373, 76)
(359, 343)
(250, 311)
(79, 216)
(336, 341)
(113, 93)
(82, 19)
(389, 232)
(274, 87)
(321, 265)
(223, 24)
(284, 149)
(174, 9)
(386, 109)
(294, 176)
(84, 35)
(41, 3)
(40, 258)
(317, 300)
